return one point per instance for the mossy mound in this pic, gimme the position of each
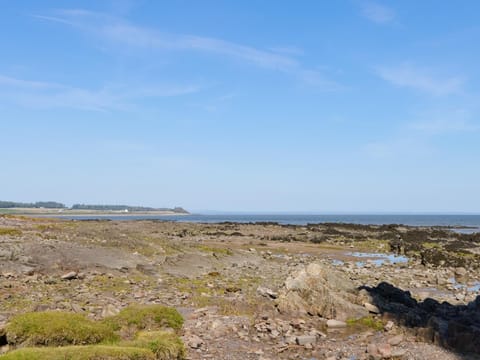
(90, 352)
(146, 317)
(165, 345)
(55, 328)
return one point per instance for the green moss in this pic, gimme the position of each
(10, 232)
(106, 283)
(366, 321)
(165, 345)
(97, 352)
(431, 245)
(215, 250)
(151, 317)
(54, 328)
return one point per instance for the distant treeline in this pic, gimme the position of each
(38, 204)
(124, 207)
(56, 205)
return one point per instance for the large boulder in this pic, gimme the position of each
(320, 290)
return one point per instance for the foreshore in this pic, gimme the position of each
(257, 291)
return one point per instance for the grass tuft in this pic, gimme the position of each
(91, 352)
(10, 232)
(165, 345)
(368, 322)
(149, 317)
(54, 328)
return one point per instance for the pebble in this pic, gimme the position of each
(306, 339)
(385, 350)
(194, 342)
(371, 308)
(70, 275)
(335, 324)
(396, 340)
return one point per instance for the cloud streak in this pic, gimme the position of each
(120, 32)
(45, 95)
(378, 13)
(409, 76)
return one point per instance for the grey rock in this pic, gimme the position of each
(267, 292)
(336, 324)
(371, 308)
(306, 339)
(70, 275)
(194, 341)
(396, 340)
(109, 310)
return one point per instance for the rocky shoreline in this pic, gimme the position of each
(257, 291)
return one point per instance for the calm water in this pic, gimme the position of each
(467, 221)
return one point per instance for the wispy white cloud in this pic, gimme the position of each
(443, 121)
(40, 94)
(378, 13)
(407, 75)
(28, 84)
(400, 147)
(120, 32)
(415, 139)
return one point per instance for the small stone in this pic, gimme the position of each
(291, 340)
(306, 339)
(335, 324)
(372, 349)
(389, 325)
(371, 308)
(109, 310)
(398, 353)
(194, 342)
(460, 271)
(70, 275)
(396, 340)
(385, 350)
(267, 292)
(76, 308)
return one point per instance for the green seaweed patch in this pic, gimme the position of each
(10, 232)
(164, 344)
(215, 250)
(55, 328)
(366, 322)
(150, 317)
(91, 352)
(432, 245)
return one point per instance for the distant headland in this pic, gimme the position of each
(53, 207)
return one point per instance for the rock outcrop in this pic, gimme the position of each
(321, 291)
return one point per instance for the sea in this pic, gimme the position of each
(461, 223)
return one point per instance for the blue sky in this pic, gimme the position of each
(315, 106)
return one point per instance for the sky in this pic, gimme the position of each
(311, 106)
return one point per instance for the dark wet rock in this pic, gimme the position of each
(452, 326)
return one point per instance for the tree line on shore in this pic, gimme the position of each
(36, 205)
(57, 205)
